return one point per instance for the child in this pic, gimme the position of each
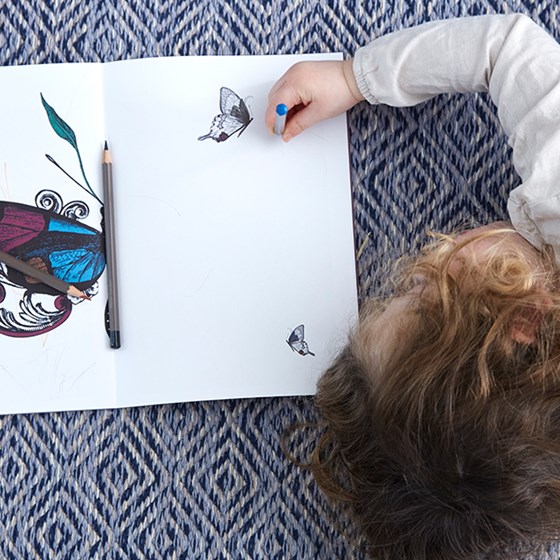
(442, 414)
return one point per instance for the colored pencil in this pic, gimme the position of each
(280, 118)
(42, 276)
(110, 249)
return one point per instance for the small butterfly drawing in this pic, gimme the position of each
(297, 344)
(234, 117)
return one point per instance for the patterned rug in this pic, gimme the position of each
(209, 480)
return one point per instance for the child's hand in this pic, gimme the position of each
(313, 91)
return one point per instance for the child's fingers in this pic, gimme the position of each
(282, 92)
(301, 120)
(293, 89)
(320, 89)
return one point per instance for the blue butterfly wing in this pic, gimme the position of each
(82, 259)
(76, 266)
(70, 250)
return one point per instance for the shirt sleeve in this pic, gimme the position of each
(517, 63)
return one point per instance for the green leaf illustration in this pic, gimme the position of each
(66, 133)
(59, 125)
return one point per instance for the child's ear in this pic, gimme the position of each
(525, 326)
(527, 323)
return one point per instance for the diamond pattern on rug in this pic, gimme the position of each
(209, 480)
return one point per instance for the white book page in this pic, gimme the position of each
(224, 248)
(68, 367)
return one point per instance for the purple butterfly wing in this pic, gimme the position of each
(18, 225)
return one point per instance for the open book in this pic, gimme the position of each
(235, 250)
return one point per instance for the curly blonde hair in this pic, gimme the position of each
(449, 446)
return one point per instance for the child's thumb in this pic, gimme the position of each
(302, 120)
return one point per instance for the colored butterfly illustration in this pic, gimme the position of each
(55, 243)
(297, 344)
(51, 237)
(234, 117)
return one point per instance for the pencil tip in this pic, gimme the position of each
(73, 291)
(106, 146)
(82, 295)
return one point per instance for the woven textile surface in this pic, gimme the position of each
(209, 480)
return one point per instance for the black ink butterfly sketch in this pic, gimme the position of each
(296, 342)
(234, 117)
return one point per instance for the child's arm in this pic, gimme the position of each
(509, 56)
(518, 64)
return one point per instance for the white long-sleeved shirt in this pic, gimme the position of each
(514, 60)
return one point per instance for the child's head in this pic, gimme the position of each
(442, 414)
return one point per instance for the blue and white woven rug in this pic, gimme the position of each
(209, 480)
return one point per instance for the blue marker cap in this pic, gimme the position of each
(280, 122)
